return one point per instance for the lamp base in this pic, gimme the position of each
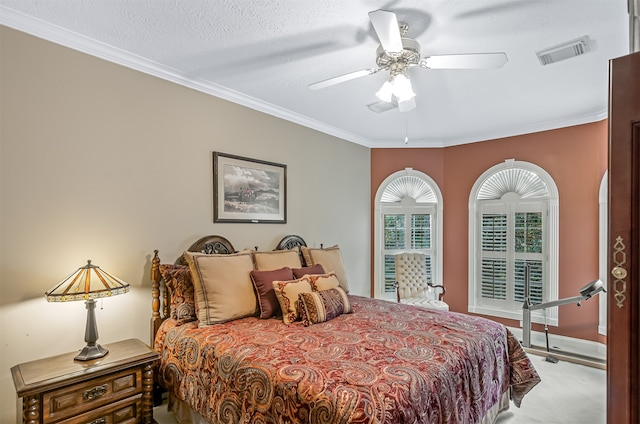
(91, 352)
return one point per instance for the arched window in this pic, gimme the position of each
(513, 229)
(408, 208)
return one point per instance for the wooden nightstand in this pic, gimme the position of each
(114, 389)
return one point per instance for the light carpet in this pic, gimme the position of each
(569, 393)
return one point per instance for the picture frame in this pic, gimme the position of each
(248, 190)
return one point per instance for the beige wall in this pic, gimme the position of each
(105, 163)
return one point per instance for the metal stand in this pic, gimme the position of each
(586, 293)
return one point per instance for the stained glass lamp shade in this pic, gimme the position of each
(88, 283)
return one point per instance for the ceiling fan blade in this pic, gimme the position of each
(342, 78)
(464, 61)
(386, 25)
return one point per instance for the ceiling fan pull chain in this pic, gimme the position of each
(406, 130)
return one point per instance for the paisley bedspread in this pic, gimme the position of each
(383, 363)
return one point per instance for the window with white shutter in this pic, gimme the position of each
(513, 213)
(408, 204)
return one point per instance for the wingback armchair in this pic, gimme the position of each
(412, 283)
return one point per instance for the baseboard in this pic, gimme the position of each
(571, 349)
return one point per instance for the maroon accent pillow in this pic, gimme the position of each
(315, 269)
(263, 284)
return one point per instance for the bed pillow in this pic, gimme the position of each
(323, 305)
(287, 294)
(277, 259)
(223, 287)
(324, 281)
(331, 260)
(315, 269)
(177, 279)
(263, 284)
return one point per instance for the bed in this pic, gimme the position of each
(325, 356)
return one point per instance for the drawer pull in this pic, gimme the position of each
(102, 420)
(95, 393)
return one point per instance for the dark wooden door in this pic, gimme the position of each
(623, 329)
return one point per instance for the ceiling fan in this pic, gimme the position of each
(397, 54)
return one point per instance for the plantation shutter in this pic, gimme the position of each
(394, 242)
(410, 231)
(511, 239)
(494, 256)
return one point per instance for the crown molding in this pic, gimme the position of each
(58, 35)
(72, 40)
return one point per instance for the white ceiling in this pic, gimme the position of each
(264, 53)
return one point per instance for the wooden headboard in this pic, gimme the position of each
(290, 242)
(212, 244)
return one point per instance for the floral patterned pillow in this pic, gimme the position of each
(178, 281)
(287, 294)
(323, 281)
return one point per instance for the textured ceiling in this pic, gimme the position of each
(264, 54)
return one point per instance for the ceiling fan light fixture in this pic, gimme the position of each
(402, 88)
(385, 92)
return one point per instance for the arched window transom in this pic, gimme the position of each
(523, 182)
(408, 186)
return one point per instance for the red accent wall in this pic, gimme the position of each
(575, 157)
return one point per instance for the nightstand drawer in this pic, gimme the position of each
(114, 389)
(126, 411)
(82, 397)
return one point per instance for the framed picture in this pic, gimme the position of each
(248, 190)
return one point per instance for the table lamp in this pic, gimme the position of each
(88, 283)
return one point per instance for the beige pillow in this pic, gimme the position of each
(323, 281)
(223, 287)
(331, 260)
(277, 259)
(287, 294)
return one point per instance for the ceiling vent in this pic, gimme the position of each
(564, 51)
(379, 107)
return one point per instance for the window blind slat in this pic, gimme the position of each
(421, 231)
(494, 232)
(394, 231)
(494, 279)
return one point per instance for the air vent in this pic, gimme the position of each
(380, 107)
(564, 51)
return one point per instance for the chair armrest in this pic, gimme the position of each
(438, 286)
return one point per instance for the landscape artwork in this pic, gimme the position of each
(248, 190)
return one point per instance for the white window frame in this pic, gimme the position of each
(406, 205)
(551, 235)
(603, 246)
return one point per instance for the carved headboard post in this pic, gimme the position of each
(156, 319)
